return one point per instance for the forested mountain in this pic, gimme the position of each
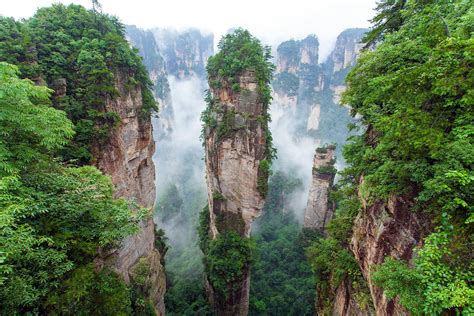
(403, 224)
(291, 184)
(72, 239)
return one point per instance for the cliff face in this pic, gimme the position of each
(295, 61)
(147, 47)
(319, 210)
(342, 59)
(383, 229)
(185, 53)
(344, 302)
(234, 171)
(127, 158)
(347, 49)
(310, 92)
(232, 163)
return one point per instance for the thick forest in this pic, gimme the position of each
(56, 212)
(414, 94)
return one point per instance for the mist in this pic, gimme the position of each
(294, 154)
(179, 161)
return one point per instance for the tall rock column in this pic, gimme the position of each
(238, 153)
(319, 210)
(126, 157)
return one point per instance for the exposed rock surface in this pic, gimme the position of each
(383, 229)
(345, 303)
(347, 49)
(127, 158)
(232, 167)
(319, 210)
(185, 53)
(144, 41)
(301, 84)
(313, 120)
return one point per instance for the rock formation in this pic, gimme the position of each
(311, 92)
(127, 158)
(144, 41)
(347, 49)
(344, 302)
(234, 169)
(296, 62)
(238, 155)
(390, 228)
(233, 161)
(185, 53)
(319, 209)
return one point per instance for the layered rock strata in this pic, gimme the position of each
(319, 209)
(236, 153)
(387, 228)
(126, 157)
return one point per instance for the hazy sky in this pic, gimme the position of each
(272, 21)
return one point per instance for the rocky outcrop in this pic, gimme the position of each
(144, 41)
(309, 92)
(345, 302)
(236, 168)
(296, 61)
(185, 53)
(233, 160)
(319, 209)
(386, 228)
(347, 49)
(126, 157)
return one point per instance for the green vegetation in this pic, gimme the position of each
(287, 82)
(330, 258)
(415, 95)
(81, 53)
(204, 230)
(54, 218)
(228, 257)
(281, 278)
(446, 287)
(264, 171)
(169, 204)
(185, 293)
(326, 170)
(239, 51)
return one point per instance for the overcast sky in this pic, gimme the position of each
(273, 21)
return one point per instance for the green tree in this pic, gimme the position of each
(414, 93)
(53, 218)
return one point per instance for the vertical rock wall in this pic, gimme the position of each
(234, 152)
(144, 41)
(127, 158)
(390, 228)
(319, 210)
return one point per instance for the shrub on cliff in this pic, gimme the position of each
(228, 256)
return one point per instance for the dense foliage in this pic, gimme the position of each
(53, 218)
(281, 282)
(415, 94)
(80, 54)
(228, 257)
(56, 217)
